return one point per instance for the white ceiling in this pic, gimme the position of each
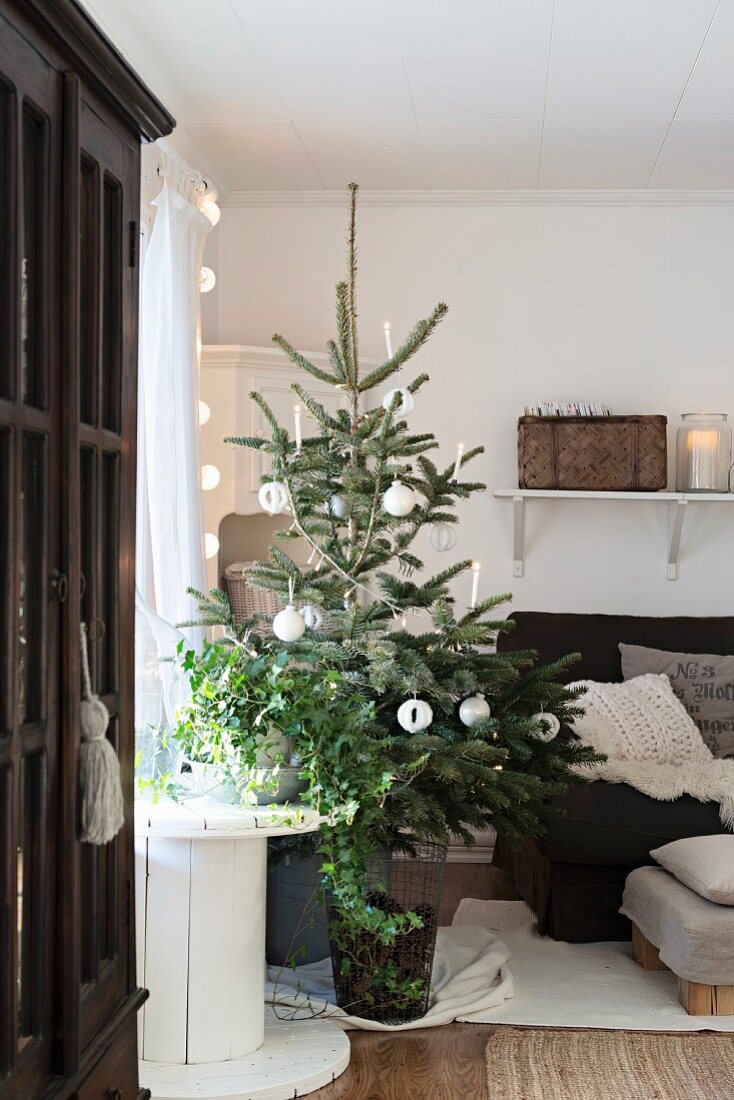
(281, 95)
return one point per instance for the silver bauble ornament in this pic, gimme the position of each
(442, 537)
(312, 617)
(288, 624)
(338, 506)
(474, 709)
(273, 497)
(405, 403)
(415, 715)
(399, 500)
(548, 725)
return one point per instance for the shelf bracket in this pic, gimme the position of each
(675, 528)
(518, 540)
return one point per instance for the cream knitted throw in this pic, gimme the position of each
(652, 743)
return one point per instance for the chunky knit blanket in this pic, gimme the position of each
(652, 743)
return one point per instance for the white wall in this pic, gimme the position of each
(632, 304)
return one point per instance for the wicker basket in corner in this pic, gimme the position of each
(245, 600)
(593, 453)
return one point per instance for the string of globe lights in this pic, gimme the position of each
(210, 474)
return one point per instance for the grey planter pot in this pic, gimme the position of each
(296, 929)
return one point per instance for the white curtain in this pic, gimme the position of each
(170, 528)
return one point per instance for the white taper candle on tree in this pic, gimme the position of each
(457, 465)
(476, 570)
(388, 339)
(297, 418)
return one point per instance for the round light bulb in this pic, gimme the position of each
(210, 477)
(204, 412)
(211, 545)
(207, 280)
(210, 210)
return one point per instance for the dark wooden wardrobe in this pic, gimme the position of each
(72, 116)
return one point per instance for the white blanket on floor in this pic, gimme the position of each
(470, 976)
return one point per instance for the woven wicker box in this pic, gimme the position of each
(593, 453)
(247, 601)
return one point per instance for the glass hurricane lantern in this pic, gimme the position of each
(703, 453)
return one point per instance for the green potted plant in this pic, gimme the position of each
(249, 694)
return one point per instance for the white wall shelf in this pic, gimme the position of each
(677, 505)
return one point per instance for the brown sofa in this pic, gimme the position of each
(573, 877)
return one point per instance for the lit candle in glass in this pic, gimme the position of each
(704, 453)
(702, 448)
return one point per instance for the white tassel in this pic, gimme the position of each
(102, 810)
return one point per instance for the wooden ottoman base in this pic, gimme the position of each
(697, 998)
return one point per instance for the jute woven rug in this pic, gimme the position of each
(526, 1063)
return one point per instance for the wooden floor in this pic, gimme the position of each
(436, 1063)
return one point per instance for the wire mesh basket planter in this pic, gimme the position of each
(368, 975)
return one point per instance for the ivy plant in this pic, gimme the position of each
(243, 699)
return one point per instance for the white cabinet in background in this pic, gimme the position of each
(229, 374)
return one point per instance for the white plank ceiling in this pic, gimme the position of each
(428, 94)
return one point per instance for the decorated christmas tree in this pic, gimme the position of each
(469, 732)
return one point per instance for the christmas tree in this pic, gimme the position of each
(469, 730)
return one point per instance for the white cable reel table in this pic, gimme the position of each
(200, 877)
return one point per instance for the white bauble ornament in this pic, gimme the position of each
(312, 617)
(338, 506)
(404, 405)
(399, 500)
(288, 624)
(474, 709)
(442, 537)
(273, 497)
(415, 715)
(548, 725)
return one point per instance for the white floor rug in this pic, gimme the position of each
(586, 985)
(470, 976)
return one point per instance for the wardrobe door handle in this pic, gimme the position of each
(114, 1094)
(60, 584)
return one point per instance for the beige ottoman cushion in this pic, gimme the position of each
(695, 937)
